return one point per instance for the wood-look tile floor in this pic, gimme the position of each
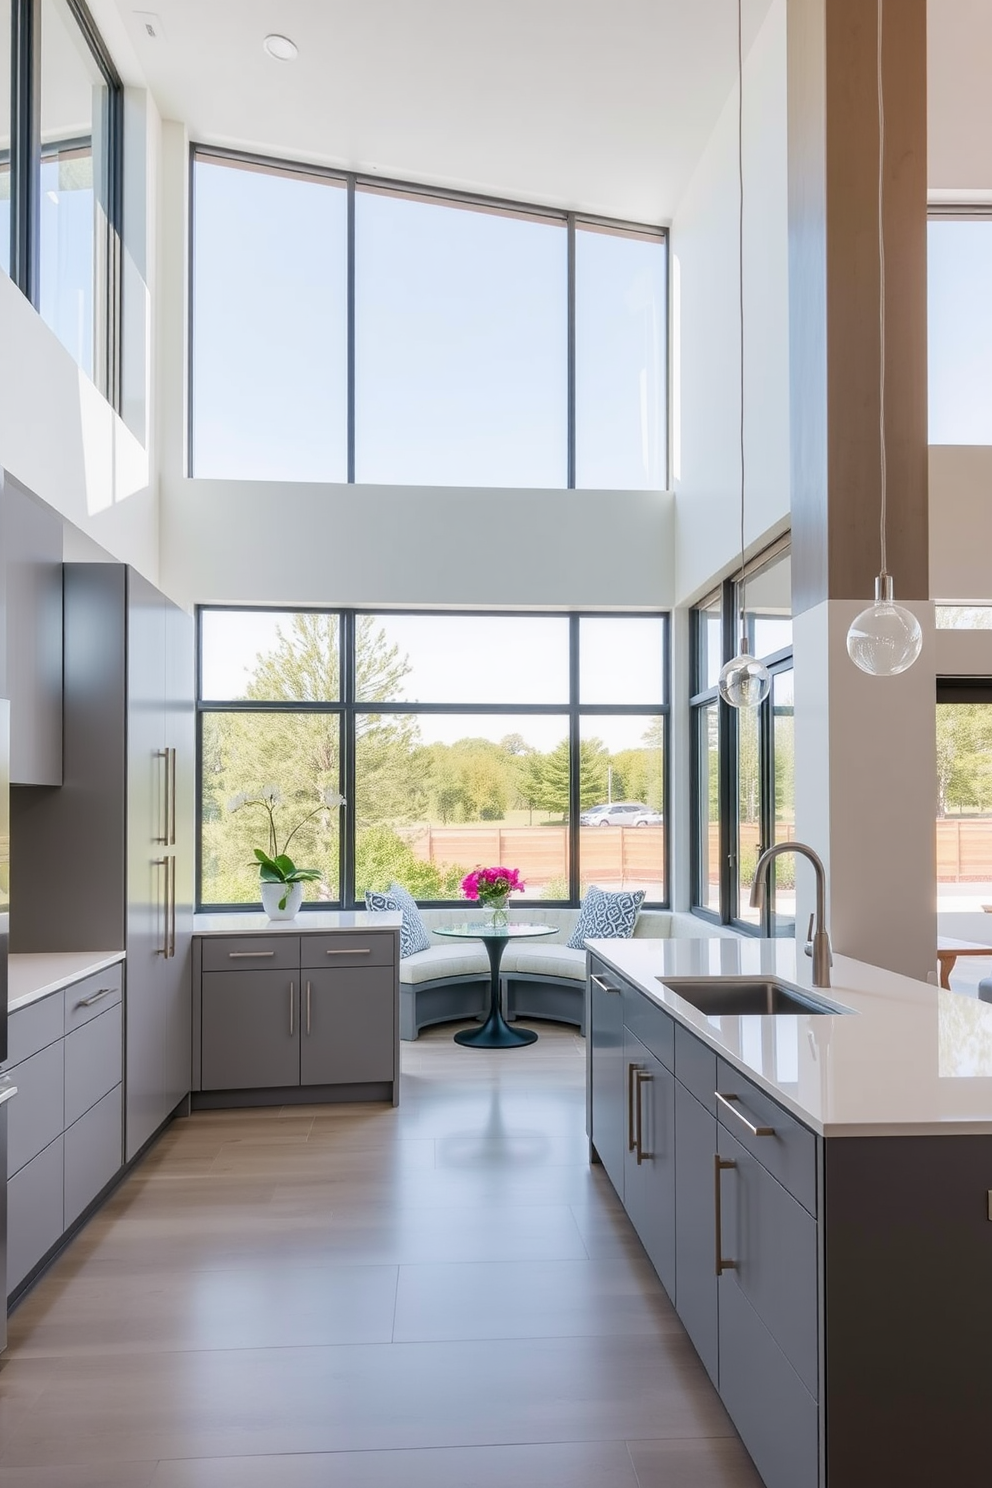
(444, 1295)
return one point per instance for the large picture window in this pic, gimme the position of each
(959, 328)
(742, 761)
(419, 338)
(457, 741)
(61, 177)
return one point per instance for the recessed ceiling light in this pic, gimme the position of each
(281, 48)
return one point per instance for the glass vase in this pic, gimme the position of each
(498, 913)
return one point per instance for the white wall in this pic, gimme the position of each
(704, 243)
(273, 543)
(961, 522)
(959, 99)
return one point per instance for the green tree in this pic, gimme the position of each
(547, 777)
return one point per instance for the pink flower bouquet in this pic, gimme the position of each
(492, 886)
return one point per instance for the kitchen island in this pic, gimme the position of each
(814, 1192)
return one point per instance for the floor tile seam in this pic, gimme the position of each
(384, 1451)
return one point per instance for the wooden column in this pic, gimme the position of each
(865, 747)
(834, 296)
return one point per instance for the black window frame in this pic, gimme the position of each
(348, 705)
(354, 182)
(700, 698)
(25, 186)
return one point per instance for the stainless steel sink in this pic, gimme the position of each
(740, 995)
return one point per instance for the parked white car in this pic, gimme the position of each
(621, 814)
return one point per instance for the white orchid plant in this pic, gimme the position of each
(276, 866)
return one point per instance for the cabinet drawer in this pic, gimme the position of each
(250, 952)
(789, 1153)
(93, 1147)
(654, 1028)
(34, 1212)
(695, 1066)
(92, 996)
(36, 1110)
(92, 1062)
(347, 950)
(31, 1028)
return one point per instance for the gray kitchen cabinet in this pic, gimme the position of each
(31, 648)
(604, 1050)
(695, 1226)
(66, 1125)
(250, 1029)
(302, 1016)
(346, 1026)
(754, 1319)
(34, 1212)
(649, 1160)
(36, 1115)
(113, 847)
(92, 1153)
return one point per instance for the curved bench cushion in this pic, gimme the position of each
(467, 958)
(521, 959)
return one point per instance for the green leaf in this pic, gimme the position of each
(285, 865)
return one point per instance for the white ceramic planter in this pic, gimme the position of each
(273, 892)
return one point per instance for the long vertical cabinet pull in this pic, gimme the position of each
(631, 1142)
(720, 1164)
(292, 1008)
(308, 1009)
(641, 1078)
(172, 905)
(163, 949)
(163, 836)
(172, 808)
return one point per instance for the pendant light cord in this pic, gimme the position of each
(881, 289)
(740, 279)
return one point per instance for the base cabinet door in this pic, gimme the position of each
(768, 1319)
(251, 1030)
(608, 1107)
(347, 1026)
(34, 1212)
(93, 1146)
(649, 1160)
(695, 1226)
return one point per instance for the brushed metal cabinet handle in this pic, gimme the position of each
(172, 797)
(357, 951)
(163, 837)
(247, 955)
(604, 986)
(720, 1164)
(163, 949)
(292, 1008)
(95, 997)
(172, 906)
(641, 1078)
(7, 1091)
(308, 1009)
(728, 1104)
(631, 1143)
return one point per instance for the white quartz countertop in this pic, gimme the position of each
(911, 1060)
(256, 922)
(31, 977)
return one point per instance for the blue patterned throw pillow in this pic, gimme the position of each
(606, 915)
(414, 935)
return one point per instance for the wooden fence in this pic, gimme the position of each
(609, 855)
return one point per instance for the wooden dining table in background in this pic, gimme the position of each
(948, 951)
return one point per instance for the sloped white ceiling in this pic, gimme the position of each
(601, 105)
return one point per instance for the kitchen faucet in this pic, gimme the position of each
(818, 943)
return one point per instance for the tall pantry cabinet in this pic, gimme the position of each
(107, 860)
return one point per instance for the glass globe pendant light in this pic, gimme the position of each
(744, 681)
(884, 639)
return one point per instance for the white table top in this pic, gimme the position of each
(30, 977)
(914, 1060)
